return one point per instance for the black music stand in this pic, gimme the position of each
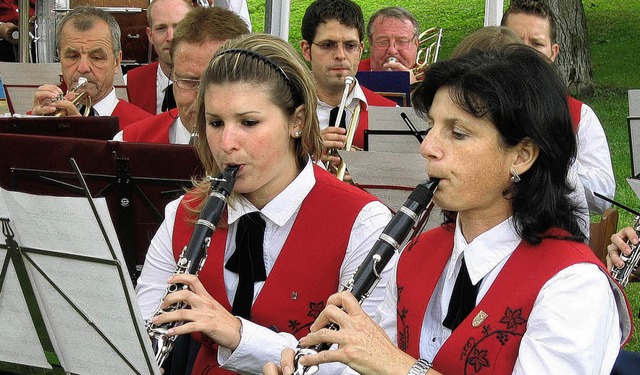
(137, 179)
(72, 306)
(95, 127)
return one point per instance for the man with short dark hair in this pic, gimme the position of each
(534, 23)
(147, 85)
(196, 39)
(89, 47)
(332, 41)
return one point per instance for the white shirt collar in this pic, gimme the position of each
(281, 208)
(178, 133)
(106, 106)
(487, 250)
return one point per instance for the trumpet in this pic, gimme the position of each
(429, 42)
(341, 169)
(87, 109)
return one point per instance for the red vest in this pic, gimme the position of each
(364, 65)
(128, 113)
(153, 129)
(374, 99)
(575, 108)
(306, 272)
(141, 87)
(490, 344)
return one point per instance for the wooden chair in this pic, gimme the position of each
(601, 233)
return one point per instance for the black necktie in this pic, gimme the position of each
(247, 261)
(463, 298)
(92, 111)
(169, 102)
(333, 115)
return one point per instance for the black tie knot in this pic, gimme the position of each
(169, 102)
(247, 261)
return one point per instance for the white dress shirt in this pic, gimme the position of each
(353, 99)
(162, 83)
(106, 106)
(593, 162)
(573, 328)
(258, 344)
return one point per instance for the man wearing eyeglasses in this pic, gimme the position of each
(332, 42)
(393, 39)
(196, 39)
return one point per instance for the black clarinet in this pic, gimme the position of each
(368, 274)
(192, 258)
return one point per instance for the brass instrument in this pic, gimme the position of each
(341, 169)
(428, 48)
(631, 262)
(87, 109)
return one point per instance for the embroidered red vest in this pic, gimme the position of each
(489, 338)
(363, 123)
(306, 272)
(141, 87)
(154, 129)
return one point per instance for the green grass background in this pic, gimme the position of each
(614, 35)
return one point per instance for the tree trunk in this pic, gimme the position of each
(574, 59)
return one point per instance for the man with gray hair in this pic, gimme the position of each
(88, 41)
(393, 40)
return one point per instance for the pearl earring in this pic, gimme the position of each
(297, 134)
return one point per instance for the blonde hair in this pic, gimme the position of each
(272, 63)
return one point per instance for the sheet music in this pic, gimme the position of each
(82, 288)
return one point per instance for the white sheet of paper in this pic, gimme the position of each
(81, 286)
(382, 170)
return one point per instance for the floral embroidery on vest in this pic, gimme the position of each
(315, 308)
(478, 357)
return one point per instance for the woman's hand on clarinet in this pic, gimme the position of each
(362, 344)
(204, 314)
(619, 244)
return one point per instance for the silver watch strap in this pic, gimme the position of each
(420, 367)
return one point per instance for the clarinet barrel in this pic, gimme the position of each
(369, 272)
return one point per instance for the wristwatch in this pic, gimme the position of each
(420, 367)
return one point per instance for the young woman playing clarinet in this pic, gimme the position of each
(292, 234)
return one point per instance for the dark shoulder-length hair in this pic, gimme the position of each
(521, 93)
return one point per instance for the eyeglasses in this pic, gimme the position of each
(330, 46)
(187, 83)
(398, 43)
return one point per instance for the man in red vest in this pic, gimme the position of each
(534, 22)
(393, 38)
(146, 85)
(89, 47)
(197, 38)
(332, 41)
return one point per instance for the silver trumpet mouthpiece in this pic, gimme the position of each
(81, 82)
